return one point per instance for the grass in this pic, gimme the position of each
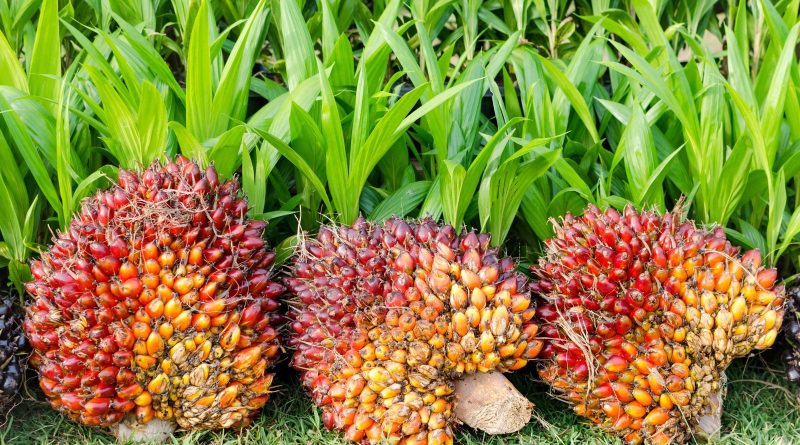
(761, 409)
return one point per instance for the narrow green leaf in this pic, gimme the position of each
(11, 72)
(755, 135)
(45, 64)
(13, 175)
(230, 98)
(573, 179)
(63, 149)
(638, 149)
(285, 250)
(151, 123)
(297, 45)
(198, 78)
(123, 139)
(107, 173)
(336, 165)
(772, 107)
(568, 88)
(10, 224)
(653, 190)
(403, 54)
(452, 184)
(190, 146)
(792, 229)
(20, 138)
(298, 162)
(361, 116)
(402, 202)
(777, 205)
(431, 104)
(225, 153)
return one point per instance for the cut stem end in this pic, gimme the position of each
(490, 403)
(154, 431)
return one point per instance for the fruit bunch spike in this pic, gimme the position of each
(387, 317)
(12, 347)
(643, 314)
(157, 303)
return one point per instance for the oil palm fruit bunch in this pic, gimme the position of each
(12, 350)
(387, 317)
(643, 313)
(157, 303)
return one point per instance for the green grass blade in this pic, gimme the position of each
(255, 174)
(432, 205)
(476, 169)
(571, 176)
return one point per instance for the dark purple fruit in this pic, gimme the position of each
(793, 374)
(13, 346)
(794, 329)
(791, 338)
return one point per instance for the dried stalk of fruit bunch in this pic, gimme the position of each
(157, 303)
(12, 350)
(387, 318)
(643, 313)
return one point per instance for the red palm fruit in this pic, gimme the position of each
(414, 307)
(659, 335)
(141, 298)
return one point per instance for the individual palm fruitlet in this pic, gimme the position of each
(644, 312)
(13, 352)
(157, 303)
(387, 317)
